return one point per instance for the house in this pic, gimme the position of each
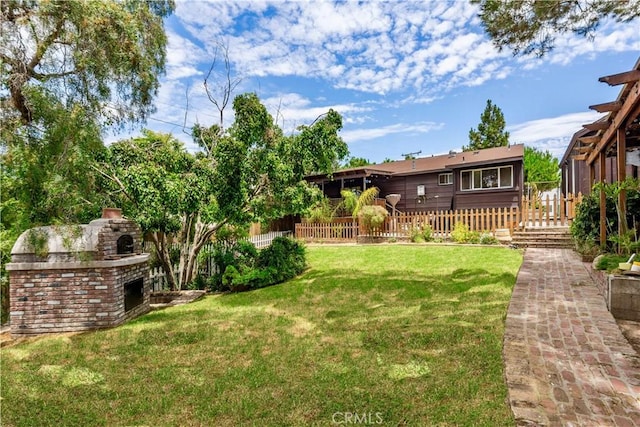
(489, 178)
(576, 171)
(607, 150)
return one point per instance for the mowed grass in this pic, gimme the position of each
(399, 334)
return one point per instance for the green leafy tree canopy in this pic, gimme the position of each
(104, 56)
(490, 132)
(541, 169)
(531, 26)
(68, 68)
(355, 162)
(249, 173)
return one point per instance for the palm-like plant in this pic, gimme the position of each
(353, 202)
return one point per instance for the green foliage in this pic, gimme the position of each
(541, 169)
(114, 52)
(585, 227)
(321, 212)
(353, 202)
(627, 242)
(531, 26)
(355, 162)
(421, 234)
(372, 217)
(488, 239)
(586, 224)
(286, 258)
(37, 241)
(230, 276)
(247, 269)
(248, 173)
(462, 234)
(490, 131)
(68, 70)
(609, 262)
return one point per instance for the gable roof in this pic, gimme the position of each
(439, 163)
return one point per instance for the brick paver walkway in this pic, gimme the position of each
(566, 361)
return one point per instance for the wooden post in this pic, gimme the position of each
(603, 200)
(622, 175)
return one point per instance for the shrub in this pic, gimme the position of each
(372, 217)
(416, 235)
(286, 257)
(230, 277)
(473, 237)
(242, 255)
(199, 283)
(460, 233)
(421, 234)
(427, 233)
(488, 239)
(585, 227)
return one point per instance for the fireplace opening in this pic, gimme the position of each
(124, 245)
(133, 294)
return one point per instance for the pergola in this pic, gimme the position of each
(613, 136)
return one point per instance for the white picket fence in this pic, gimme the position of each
(158, 276)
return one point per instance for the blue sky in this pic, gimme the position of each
(406, 76)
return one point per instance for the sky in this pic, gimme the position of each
(406, 76)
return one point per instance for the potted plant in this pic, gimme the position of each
(587, 249)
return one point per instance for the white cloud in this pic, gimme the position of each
(400, 128)
(552, 134)
(291, 110)
(422, 47)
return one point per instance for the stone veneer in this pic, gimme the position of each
(79, 290)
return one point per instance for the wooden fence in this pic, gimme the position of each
(338, 230)
(548, 211)
(558, 210)
(158, 277)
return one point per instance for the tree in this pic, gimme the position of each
(531, 26)
(490, 131)
(353, 203)
(250, 172)
(69, 69)
(103, 57)
(355, 162)
(541, 169)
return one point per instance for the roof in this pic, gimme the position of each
(623, 115)
(439, 163)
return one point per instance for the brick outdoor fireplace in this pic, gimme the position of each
(75, 278)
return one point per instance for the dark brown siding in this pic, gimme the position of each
(575, 175)
(499, 198)
(407, 187)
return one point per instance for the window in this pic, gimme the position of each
(482, 179)
(420, 190)
(445, 179)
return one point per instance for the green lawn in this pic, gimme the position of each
(397, 334)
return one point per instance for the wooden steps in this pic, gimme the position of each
(543, 237)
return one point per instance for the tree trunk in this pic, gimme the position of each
(194, 235)
(162, 250)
